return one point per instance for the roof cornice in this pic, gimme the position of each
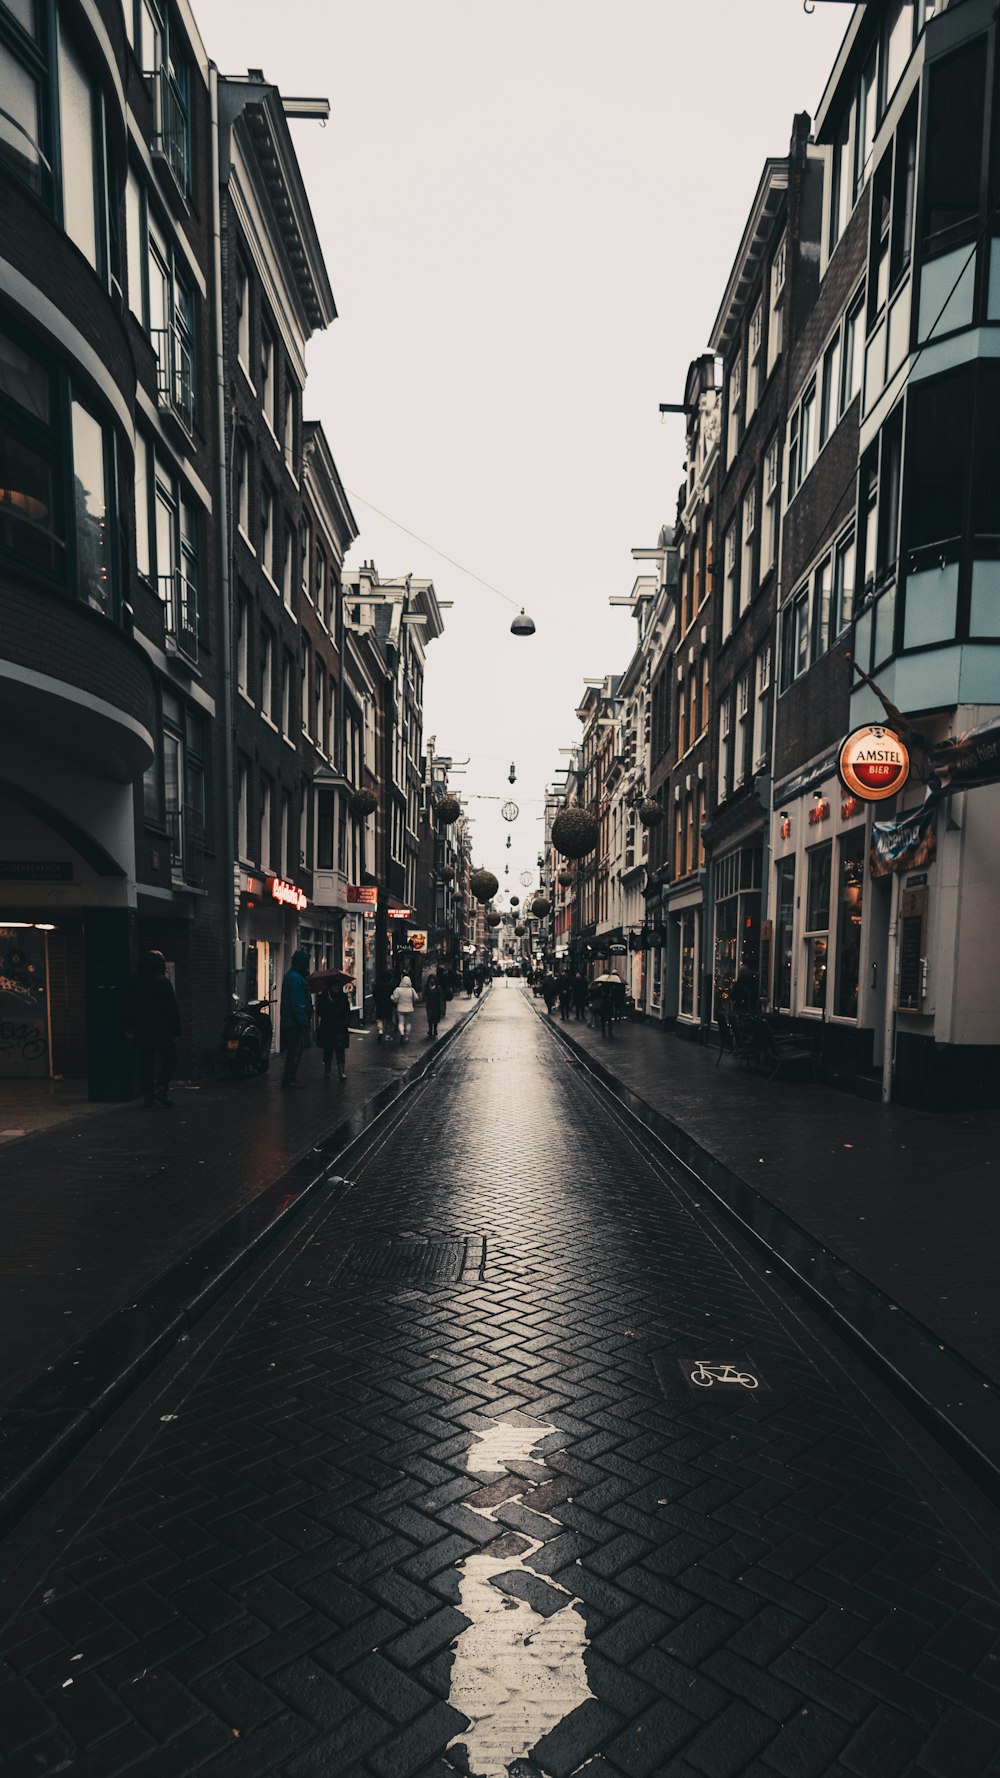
(770, 193)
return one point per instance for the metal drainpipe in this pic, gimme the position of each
(222, 532)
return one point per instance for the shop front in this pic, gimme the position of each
(737, 902)
(269, 917)
(686, 917)
(358, 937)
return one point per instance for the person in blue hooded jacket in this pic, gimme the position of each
(296, 1007)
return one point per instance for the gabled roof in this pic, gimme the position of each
(321, 471)
(756, 239)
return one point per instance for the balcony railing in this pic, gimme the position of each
(180, 612)
(187, 845)
(171, 135)
(174, 376)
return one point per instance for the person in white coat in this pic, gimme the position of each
(404, 1000)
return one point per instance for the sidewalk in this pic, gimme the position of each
(910, 1200)
(97, 1209)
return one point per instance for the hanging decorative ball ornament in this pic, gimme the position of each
(540, 907)
(364, 802)
(448, 873)
(510, 811)
(519, 931)
(650, 813)
(564, 879)
(526, 879)
(484, 885)
(493, 918)
(574, 833)
(522, 626)
(515, 901)
(447, 810)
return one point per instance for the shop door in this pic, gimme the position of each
(24, 1007)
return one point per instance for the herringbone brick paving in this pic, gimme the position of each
(269, 1577)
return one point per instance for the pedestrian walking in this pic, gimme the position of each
(433, 1004)
(579, 994)
(153, 1023)
(333, 1029)
(404, 1000)
(550, 992)
(384, 1008)
(606, 1009)
(295, 1013)
(565, 995)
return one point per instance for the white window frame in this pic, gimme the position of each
(748, 522)
(777, 274)
(772, 506)
(761, 740)
(730, 561)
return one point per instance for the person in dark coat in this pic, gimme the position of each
(550, 992)
(579, 994)
(565, 995)
(606, 1008)
(153, 1023)
(433, 1004)
(333, 1022)
(385, 1012)
(296, 1011)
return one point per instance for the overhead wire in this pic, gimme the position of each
(434, 549)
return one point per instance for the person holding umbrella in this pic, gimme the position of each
(333, 1018)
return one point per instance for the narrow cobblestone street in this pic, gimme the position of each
(510, 1460)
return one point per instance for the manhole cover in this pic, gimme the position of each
(404, 1259)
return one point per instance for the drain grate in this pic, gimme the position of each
(405, 1259)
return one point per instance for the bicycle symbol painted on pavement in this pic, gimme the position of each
(706, 1375)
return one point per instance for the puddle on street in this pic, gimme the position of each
(517, 1671)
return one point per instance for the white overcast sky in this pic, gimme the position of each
(528, 213)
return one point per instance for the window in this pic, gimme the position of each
(817, 926)
(319, 699)
(955, 131)
(938, 459)
(265, 822)
(288, 863)
(731, 556)
(795, 637)
(307, 687)
(266, 671)
(772, 506)
(682, 718)
(868, 518)
(762, 710)
(823, 606)
(749, 529)
(324, 829)
(243, 808)
(93, 479)
(903, 196)
(703, 713)
(777, 297)
(184, 754)
(807, 433)
(889, 493)
(692, 707)
(853, 353)
(852, 889)
(843, 584)
(23, 76)
(243, 645)
(783, 933)
(725, 719)
(167, 74)
(243, 318)
(829, 405)
(267, 392)
(898, 45)
(287, 697)
(144, 482)
(289, 432)
(79, 107)
(878, 261)
(755, 359)
(286, 567)
(266, 527)
(322, 593)
(305, 560)
(733, 408)
(742, 762)
(865, 120)
(241, 480)
(841, 187)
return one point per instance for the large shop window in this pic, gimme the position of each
(58, 479)
(852, 889)
(689, 963)
(737, 917)
(817, 926)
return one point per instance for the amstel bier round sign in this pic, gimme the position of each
(873, 763)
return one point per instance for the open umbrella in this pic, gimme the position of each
(617, 980)
(330, 978)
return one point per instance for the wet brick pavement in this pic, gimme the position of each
(868, 1181)
(368, 1488)
(96, 1210)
